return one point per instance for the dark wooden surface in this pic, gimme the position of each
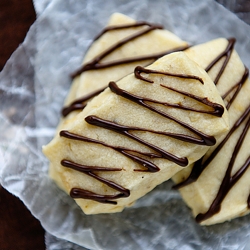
(19, 230)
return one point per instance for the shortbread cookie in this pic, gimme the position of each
(115, 52)
(137, 133)
(218, 187)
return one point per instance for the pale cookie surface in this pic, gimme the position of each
(137, 133)
(219, 188)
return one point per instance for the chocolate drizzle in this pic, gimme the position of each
(125, 151)
(227, 54)
(88, 170)
(228, 180)
(138, 70)
(80, 103)
(96, 63)
(218, 109)
(127, 26)
(200, 166)
(124, 130)
(205, 139)
(236, 88)
(143, 158)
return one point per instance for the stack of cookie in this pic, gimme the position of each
(145, 107)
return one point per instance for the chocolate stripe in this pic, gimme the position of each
(228, 181)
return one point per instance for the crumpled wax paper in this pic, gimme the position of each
(33, 86)
(41, 5)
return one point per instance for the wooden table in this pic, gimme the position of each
(19, 230)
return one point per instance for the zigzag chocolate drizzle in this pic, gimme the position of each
(80, 103)
(88, 170)
(127, 26)
(229, 180)
(199, 166)
(125, 151)
(124, 130)
(140, 157)
(218, 110)
(96, 63)
(226, 53)
(237, 87)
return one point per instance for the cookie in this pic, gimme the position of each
(137, 133)
(217, 187)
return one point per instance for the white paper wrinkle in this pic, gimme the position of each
(33, 86)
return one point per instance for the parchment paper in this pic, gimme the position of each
(33, 86)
